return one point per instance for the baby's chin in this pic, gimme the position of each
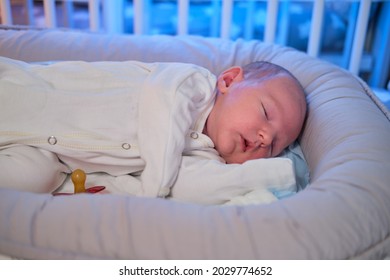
(235, 159)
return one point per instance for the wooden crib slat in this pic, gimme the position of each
(227, 12)
(6, 15)
(182, 13)
(94, 14)
(316, 28)
(271, 19)
(359, 37)
(50, 13)
(139, 11)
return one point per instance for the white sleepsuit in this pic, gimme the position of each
(101, 117)
(113, 119)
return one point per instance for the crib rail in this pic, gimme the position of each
(105, 13)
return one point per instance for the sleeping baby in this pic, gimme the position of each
(153, 122)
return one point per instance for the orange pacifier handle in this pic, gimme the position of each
(78, 178)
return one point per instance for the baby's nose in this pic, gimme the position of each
(266, 138)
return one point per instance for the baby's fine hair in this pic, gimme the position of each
(263, 70)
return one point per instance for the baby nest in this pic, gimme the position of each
(344, 212)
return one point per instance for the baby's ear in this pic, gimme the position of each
(228, 77)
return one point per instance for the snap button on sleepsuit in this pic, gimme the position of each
(52, 140)
(194, 135)
(126, 146)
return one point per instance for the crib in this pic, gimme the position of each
(343, 213)
(361, 53)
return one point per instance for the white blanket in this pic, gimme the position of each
(211, 182)
(169, 91)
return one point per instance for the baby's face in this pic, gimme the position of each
(252, 121)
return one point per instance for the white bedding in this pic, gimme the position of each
(212, 183)
(199, 177)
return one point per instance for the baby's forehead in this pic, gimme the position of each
(278, 82)
(282, 91)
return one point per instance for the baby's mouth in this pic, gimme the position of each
(245, 144)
